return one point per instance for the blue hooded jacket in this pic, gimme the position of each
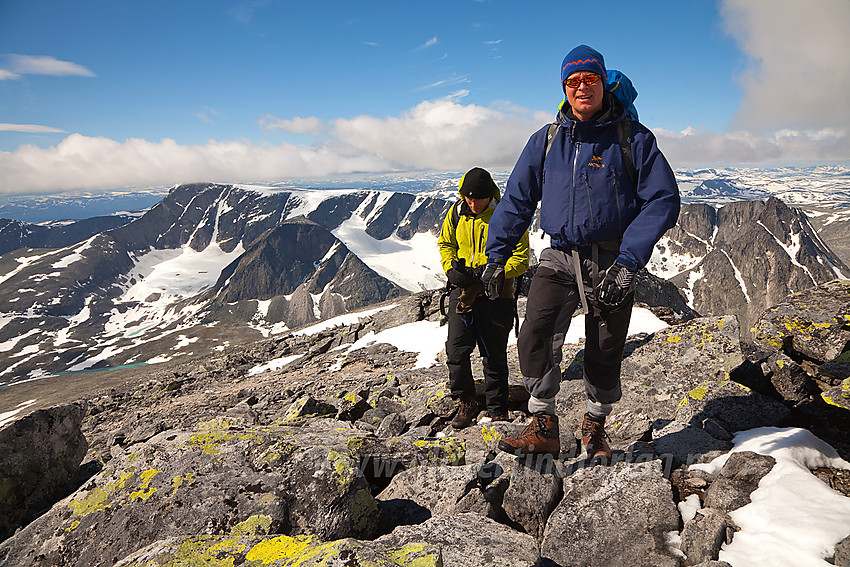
(585, 190)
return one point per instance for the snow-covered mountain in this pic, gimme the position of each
(214, 263)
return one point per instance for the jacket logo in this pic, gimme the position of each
(596, 161)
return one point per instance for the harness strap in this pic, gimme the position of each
(579, 279)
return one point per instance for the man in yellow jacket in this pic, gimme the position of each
(474, 319)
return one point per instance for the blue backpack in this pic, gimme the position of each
(623, 89)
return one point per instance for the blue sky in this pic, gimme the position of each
(103, 94)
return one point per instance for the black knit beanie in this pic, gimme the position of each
(477, 184)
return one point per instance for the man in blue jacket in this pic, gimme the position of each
(603, 228)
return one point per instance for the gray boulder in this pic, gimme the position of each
(533, 491)
(703, 536)
(204, 481)
(812, 323)
(734, 406)
(40, 454)
(686, 444)
(842, 553)
(619, 515)
(737, 479)
(470, 540)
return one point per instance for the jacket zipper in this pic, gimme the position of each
(572, 235)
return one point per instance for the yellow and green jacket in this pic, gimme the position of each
(468, 240)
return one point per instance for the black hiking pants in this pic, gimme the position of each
(487, 326)
(552, 300)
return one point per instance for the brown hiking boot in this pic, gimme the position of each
(594, 439)
(497, 416)
(467, 410)
(539, 436)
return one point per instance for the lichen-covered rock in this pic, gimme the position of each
(814, 323)
(734, 406)
(39, 455)
(618, 515)
(657, 375)
(789, 379)
(470, 540)
(205, 481)
(279, 551)
(842, 553)
(838, 396)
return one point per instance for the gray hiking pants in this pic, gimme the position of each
(552, 301)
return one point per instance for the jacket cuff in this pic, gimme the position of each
(628, 262)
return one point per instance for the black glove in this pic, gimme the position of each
(459, 274)
(618, 282)
(493, 279)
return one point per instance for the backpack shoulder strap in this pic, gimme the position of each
(624, 133)
(455, 213)
(550, 136)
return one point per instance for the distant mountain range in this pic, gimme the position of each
(214, 264)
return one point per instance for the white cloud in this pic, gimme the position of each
(430, 43)
(799, 71)
(30, 128)
(310, 125)
(440, 135)
(244, 11)
(433, 135)
(694, 147)
(457, 96)
(18, 65)
(456, 80)
(207, 115)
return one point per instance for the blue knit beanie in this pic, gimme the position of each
(583, 58)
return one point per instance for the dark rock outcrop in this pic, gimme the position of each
(752, 255)
(40, 456)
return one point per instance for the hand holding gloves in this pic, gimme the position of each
(493, 279)
(460, 275)
(614, 289)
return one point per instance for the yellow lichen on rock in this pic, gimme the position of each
(145, 489)
(97, 499)
(362, 509)
(343, 472)
(416, 555)
(299, 549)
(450, 448)
(179, 480)
(489, 434)
(254, 525)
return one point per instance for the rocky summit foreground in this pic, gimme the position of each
(332, 456)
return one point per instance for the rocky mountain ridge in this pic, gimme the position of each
(299, 450)
(213, 264)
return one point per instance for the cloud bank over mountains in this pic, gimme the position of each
(438, 135)
(793, 112)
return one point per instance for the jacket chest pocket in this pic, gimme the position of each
(599, 200)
